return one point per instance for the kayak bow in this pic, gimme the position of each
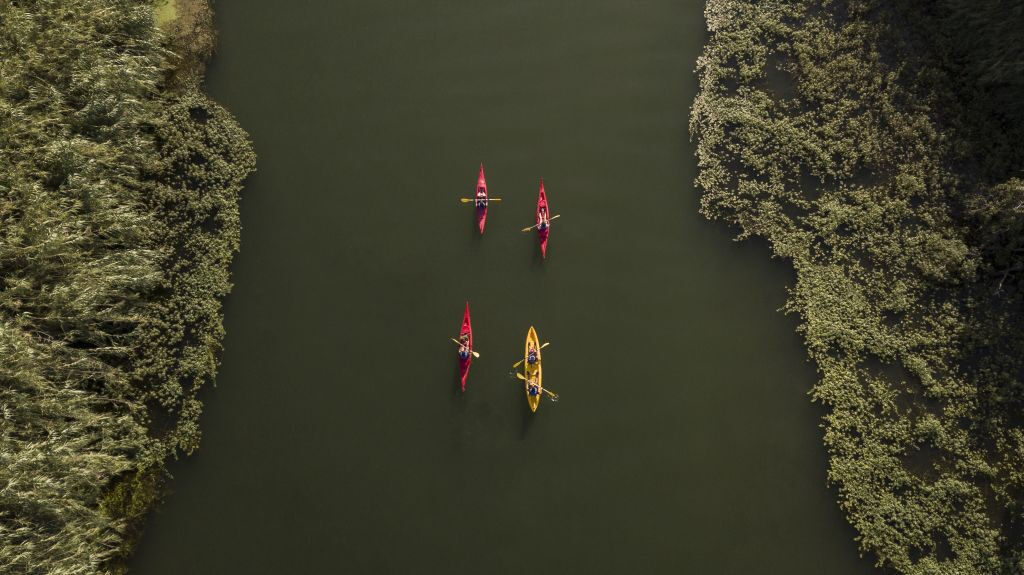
(467, 329)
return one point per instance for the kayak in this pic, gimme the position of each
(481, 211)
(531, 371)
(542, 235)
(467, 329)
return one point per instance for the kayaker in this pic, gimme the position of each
(481, 197)
(531, 356)
(533, 388)
(464, 348)
(542, 215)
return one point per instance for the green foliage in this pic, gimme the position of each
(839, 132)
(118, 219)
(204, 156)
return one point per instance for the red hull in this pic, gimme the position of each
(542, 202)
(481, 213)
(467, 328)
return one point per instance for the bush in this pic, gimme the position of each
(843, 133)
(118, 218)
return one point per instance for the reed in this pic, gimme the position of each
(118, 218)
(868, 142)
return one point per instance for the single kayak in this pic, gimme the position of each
(466, 337)
(532, 371)
(543, 217)
(481, 194)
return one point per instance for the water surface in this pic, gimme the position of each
(335, 441)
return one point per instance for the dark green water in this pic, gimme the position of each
(335, 442)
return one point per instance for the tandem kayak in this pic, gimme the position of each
(481, 189)
(532, 372)
(542, 208)
(467, 331)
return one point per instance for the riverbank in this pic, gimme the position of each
(870, 146)
(118, 219)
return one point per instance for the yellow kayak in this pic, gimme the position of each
(532, 372)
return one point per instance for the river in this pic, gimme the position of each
(335, 440)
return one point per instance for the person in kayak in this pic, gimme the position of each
(542, 215)
(464, 348)
(531, 355)
(481, 197)
(533, 389)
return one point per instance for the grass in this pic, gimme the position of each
(166, 12)
(876, 146)
(118, 221)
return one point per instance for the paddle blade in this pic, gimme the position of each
(521, 376)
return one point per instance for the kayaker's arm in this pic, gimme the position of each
(475, 354)
(535, 225)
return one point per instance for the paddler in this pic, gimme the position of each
(533, 388)
(481, 197)
(531, 355)
(464, 346)
(542, 215)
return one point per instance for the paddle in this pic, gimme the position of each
(475, 354)
(551, 394)
(467, 200)
(516, 364)
(535, 225)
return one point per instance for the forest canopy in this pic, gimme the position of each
(877, 147)
(119, 186)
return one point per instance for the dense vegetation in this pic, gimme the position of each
(878, 147)
(118, 218)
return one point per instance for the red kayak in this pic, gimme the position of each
(481, 192)
(543, 215)
(467, 332)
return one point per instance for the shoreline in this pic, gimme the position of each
(119, 220)
(838, 134)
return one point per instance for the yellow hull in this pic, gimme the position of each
(531, 371)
